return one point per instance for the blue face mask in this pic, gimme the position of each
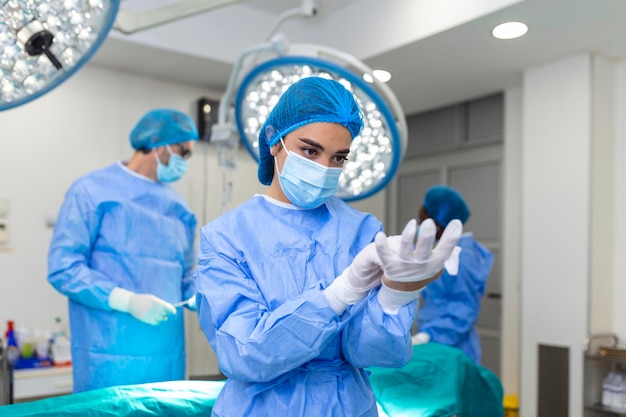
(175, 168)
(305, 183)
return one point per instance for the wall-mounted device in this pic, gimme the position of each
(206, 110)
(4, 232)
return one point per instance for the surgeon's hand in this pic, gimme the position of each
(144, 307)
(404, 261)
(356, 280)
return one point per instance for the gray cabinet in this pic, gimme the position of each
(473, 123)
(596, 368)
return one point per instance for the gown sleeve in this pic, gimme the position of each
(69, 254)
(189, 280)
(373, 337)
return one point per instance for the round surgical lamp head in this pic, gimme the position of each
(44, 42)
(375, 154)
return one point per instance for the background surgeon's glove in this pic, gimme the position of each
(404, 261)
(420, 338)
(144, 307)
(355, 281)
(191, 303)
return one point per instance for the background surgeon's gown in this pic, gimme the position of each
(261, 271)
(451, 304)
(117, 228)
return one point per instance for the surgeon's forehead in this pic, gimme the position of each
(331, 136)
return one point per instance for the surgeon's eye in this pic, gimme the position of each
(185, 152)
(310, 152)
(339, 160)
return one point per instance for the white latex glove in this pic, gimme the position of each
(404, 261)
(355, 281)
(191, 303)
(391, 300)
(144, 307)
(420, 338)
(452, 263)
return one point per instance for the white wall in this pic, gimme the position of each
(619, 260)
(566, 214)
(602, 204)
(511, 240)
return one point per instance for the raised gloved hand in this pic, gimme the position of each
(144, 307)
(404, 261)
(355, 281)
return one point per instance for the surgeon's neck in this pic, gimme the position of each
(276, 192)
(143, 164)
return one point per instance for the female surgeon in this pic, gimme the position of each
(289, 283)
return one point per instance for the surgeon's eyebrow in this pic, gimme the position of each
(320, 148)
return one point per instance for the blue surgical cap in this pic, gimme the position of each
(162, 127)
(310, 100)
(445, 204)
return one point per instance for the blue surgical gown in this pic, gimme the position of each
(261, 271)
(117, 228)
(451, 304)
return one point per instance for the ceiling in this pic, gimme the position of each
(438, 51)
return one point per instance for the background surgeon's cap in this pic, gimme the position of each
(310, 100)
(161, 127)
(445, 204)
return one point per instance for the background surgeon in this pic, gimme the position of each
(122, 252)
(450, 306)
(289, 283)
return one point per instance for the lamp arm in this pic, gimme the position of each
(308, 8)
(277, 44)
(129, 22)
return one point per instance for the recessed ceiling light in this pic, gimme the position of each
(381, 75)
(509, 30)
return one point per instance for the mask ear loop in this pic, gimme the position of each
(284, 146)
(158, 158)
(275, 159)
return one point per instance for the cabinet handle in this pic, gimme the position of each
(494, 295)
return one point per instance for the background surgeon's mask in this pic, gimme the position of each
(306, 183)
(175, 168)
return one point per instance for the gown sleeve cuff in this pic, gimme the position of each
(119, 299)
(391, 300)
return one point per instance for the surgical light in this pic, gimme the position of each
(43, 43)
(375, 154)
